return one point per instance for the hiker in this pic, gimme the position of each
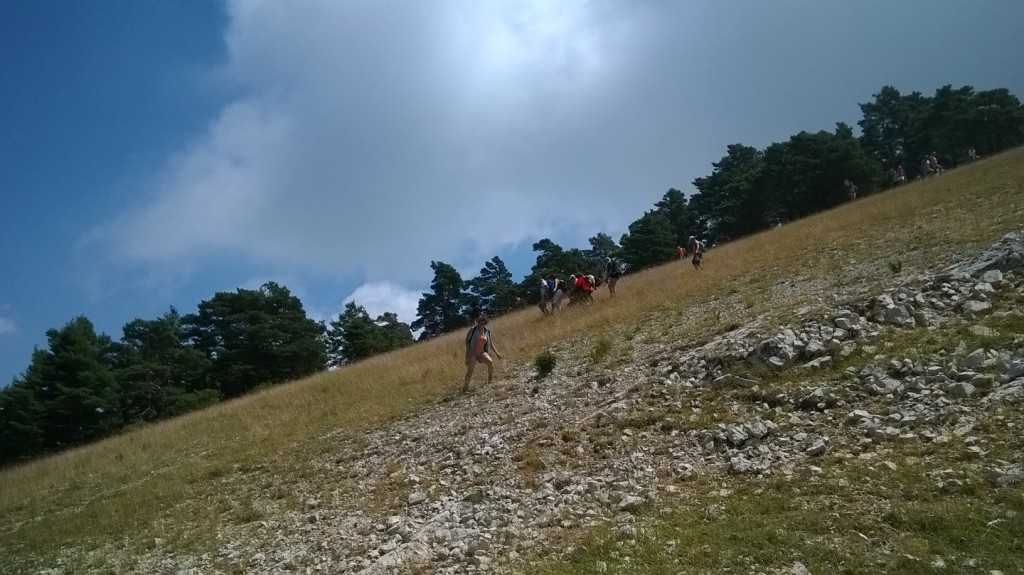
(901, 176)
(697, 249)
(545, 296)
(926, 168)
(972, 155)
(612, 273)
(851, 189)
(581, 290)
(682, 252)
(557, 289)
(933, 163)
(478, 349)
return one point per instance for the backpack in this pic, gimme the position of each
(614, 268)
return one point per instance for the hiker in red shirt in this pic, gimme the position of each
(580, 290)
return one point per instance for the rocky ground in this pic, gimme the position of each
(518, 470)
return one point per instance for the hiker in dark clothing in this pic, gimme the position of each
(851, 189)
(557, 289)
(612, 273)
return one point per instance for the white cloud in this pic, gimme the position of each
(381, 297)
(369, 138)
(7, 325)
(373, 138)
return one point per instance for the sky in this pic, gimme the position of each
(154, 153)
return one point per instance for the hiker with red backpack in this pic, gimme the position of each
(581, 289)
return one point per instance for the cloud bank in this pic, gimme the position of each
(371, 138)
(367, 139)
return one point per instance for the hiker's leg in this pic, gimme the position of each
(470, 366)
(486, 360)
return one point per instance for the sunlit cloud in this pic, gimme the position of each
(371, 140)
(381, 297)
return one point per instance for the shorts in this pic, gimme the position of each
(696, 259)
(612, 280)
(556, 302)
(474, 359)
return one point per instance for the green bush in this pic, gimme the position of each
(602, 346)
(545, 363)
(895, 265)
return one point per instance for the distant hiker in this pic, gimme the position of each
(851, 189)
(478, 349)
(926, 168)
(612, 273)
(972, 155)
(901, 176)
(557, 288)
(581, 290)
(697, 249)
(682, 252)
(933, 163)
(593, 283)
(545, 296)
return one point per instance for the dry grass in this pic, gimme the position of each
(130, 488)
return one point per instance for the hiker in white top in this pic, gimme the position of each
(697, 249)
(545, 296)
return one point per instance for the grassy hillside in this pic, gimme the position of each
(174, 481)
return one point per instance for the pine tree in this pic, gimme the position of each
(74, 383)
(256, 337)
(440, 310)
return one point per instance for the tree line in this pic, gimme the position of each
(86, 385)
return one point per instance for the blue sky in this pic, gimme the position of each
(153, 153)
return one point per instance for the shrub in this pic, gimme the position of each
(545, 363)
(895, 266)
(601, 348)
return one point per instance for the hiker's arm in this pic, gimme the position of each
(495, 350)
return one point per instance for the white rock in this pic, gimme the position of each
(974, 307)
(816, 448)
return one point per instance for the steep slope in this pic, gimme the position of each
(829, 367)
